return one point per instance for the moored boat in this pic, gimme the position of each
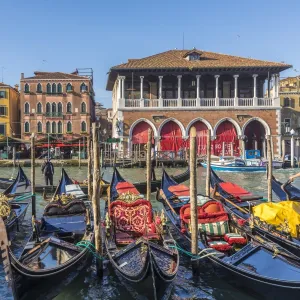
(235, 168)
(138, 244)
(51, 257)
(229, 246)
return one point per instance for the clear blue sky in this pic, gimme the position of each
(71, 34)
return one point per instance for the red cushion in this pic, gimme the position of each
(234, 189)
(133, 216)
(124, 187)
(219, 245)
(234, 238)
(179, 190)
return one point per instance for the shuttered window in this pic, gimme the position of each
(3, 110)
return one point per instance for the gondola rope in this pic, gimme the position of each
(90, 247)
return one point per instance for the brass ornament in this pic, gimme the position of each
(128, 197)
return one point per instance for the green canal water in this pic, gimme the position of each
(208, 285)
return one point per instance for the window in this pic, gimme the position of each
(3, 129)
(59, 107)
(59, 127)
(83, 107)
(2, 94)
(39, 127)
(53, 107)
(26, 127)
(26, 88)
(53, 127)
(287, 125)
(286, 102)
(83, 88)
(48, 88)
(26, 108)
(48, 108)
(53, 88)
(83, 126)
(59, 88)
(69, 107)
(48, 128)
(69, 127)
(3, 110)
(39, 108)
(69, 87)
(39, 88)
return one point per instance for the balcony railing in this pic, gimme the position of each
(54, 114)
(203, 103)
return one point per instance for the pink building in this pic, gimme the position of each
(58, 104)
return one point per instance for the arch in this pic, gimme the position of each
(69, 87)
(171, 136)
(208, 125)
(83, 126)
(140, 133)
(142, 120)
(83, 87)
(236, 125)
(59, 88)
(174, 120)
(39, 127)
(39, 88)
(26, 127)
(201, 137)
(263, 122)
(26, 88)
(59, 107)
(59, 127)
(53, 88)
(48, 88)
(69, 126)
(26, 108)
(53, 127)
(48, 107)
(69, 107)
(53, 107)
(83, 107)
(39, 108)
(48, 127)
(227, 133)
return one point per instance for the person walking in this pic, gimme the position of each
(48, 171)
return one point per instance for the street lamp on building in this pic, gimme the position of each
(292, 132)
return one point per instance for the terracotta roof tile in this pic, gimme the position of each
(208, 60)
(55, 75)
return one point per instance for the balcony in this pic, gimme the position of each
(53, 114)
(201, 104)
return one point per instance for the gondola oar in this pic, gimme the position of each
(167, 201)
(283, 187)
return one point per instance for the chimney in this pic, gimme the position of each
(22, 76)
(17, 87)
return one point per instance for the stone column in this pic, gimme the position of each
(123, 87)
(179, 99)
(160, 91)
(142, 91)
(236, 99)
(119, 88)
(255, 103)
(217, 90)
(198, 90)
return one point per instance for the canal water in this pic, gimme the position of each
(208, 285)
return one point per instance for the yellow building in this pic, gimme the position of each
(9, 111)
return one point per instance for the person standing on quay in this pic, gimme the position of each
(48, 171)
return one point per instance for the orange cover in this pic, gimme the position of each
(179, 190)
(124, 187)
(234, 189)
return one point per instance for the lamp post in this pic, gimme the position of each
(292, 132)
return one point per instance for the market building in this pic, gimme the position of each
(172, 91)
(57, 105)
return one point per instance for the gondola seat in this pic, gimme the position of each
(236, 191)
(72, 208)
(220, 245)
(133, 218)
(125, 187)
(179, 190)
(235, 238)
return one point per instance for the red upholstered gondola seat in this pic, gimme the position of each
(235, 190)
(124, 187)
(134, 219)
(179, 190)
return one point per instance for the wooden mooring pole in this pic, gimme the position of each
(96, 199)
(149, 165)
(14, 155)
(79, 156)
(89, 172)
(33, 200)
(208, 154)
(193, 198)
(270, 160)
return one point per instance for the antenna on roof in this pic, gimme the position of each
(183, 41)
(2, 74)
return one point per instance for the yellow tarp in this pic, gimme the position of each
(278, 213)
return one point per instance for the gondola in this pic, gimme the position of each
(285, 191)
(227, 244)
(241, 202)
(138, 244)
(51, 257)
(14, 202)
